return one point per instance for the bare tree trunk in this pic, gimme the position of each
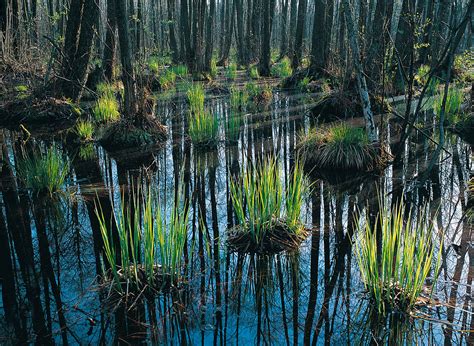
(171, 21)
(110, 42)
(128, 75)
(264, 65)
(319, 38)
(302, 8)
(361, 82)
(209, 35)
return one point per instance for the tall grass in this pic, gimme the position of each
(203, 128)
(106, 109)
(84, 130)
(180, 70)
(150, 245)
(238, 98)
(453, 104)
(44, 172)
(253, 72)
(339, 147)
(106, 90)
(231, 71)
(260, 199)
(196, 99)
(232, 125)
(394, 272)
(282, 69)
(167, 79)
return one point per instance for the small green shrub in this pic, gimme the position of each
(282, 69)
(303, 84)
(195, 95)
(253, 72)
(84, 130)
(422, 74)
(21, 88)
(154, 65)
(106, 109)
(394, 272)
(203, 128)
(231, 71)
(261, 201)
(44, 172)
(339, 147)
(464, 67)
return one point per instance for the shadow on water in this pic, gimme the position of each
(52, 250)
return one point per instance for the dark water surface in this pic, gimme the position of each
(313, 295)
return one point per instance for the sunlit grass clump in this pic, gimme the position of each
(454, 102)
(339, 147)
(44, 172)
(268, 210)
(395, 271)
(180, 71)
(231, 71)
(150, 242)
(233, 124)
(106, 109)
(84, 130)
(253, 72)
(203, 128)
(282, 69)
(238, 98)
(167, 79)
(195, 95)
(259, 93)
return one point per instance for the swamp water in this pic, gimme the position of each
(312, 295)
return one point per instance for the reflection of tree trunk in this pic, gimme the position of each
(7, 276)
(39, 210)
(22, 241)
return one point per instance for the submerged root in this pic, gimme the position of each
(277, 239)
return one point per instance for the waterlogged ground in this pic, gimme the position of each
(313, 295)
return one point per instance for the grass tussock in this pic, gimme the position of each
(253, 72)
(150, 244)
(268, 212)
(203, 128)
(231, 71)
(259, 93)
(238, 98)
(84, 130)
(195, 95)
(395, 271)
(44, 172)
(454, 102)
(282, 69)
(339, 147)
(167, 79)
(106, 109)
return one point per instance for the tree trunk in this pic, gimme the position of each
(110, 42)
(128, 75)
(171, 21)
(264, 65)
(319, 38)
(361, 82)
(302, 8)
(209, 35)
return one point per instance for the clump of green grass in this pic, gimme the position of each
(106, 109)
(253, 72)
(213, 68)
(231, 71)
(203, 128)
(21, 88)
(84, 130)
(154, 65)
(464, 67)
(106, 90)
(339, 147)
(453, 105)
(238, 98)
(44, 172)
(180, 71)
(195, 95)
(304, 83)
(282, 69)
(232, 125)
(167, 79)
(394, 272)
(150, 245)
(263, 205)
